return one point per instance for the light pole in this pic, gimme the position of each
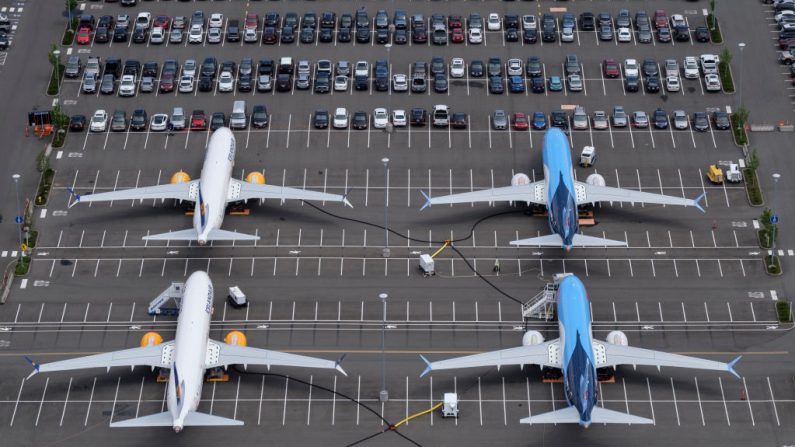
(57, 54)
(19, 219)
(740, 83)
(383, 396)
(774, 217)
(386, 252)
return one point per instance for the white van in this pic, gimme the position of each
(238, 118)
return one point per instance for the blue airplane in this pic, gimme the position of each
(561, 194)
(578, 355)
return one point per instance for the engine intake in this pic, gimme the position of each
(256, 178)
(520, 179)
(617, 338)
(236, 338)
(151, 339)
(180, 177)
(595, 180)
(531, 338)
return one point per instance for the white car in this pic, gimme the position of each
(783, 14)
(680, 120)
(672, 83)
(186, 84)
(630, 68)
(144, 19)
(567, 34)
(340, 118)
(514, 67)
(691, 67)
(529, 22)
(189, 68)
(159, 122)
(399, 118)
(712, 82)
(380, 118)
(214, 35)
(226, 82)
(457, 68)
(216, 20)
(99, 121)
(475, 35)
(493, 22)
(127, 86)
(195, 35)
(624, 35)
(158, 35)
(340, 83)
(400, 82)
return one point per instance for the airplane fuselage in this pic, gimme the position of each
(214, 184)
(578, 364)
(190, 348)
(559, 178)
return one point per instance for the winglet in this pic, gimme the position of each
(75, 195)
(338, 365)
(345, 199)
(698, 205)
(427, 200)
(730, 366)
(428, 368)
(34, 365)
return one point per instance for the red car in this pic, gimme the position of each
(84, 36)
(162, 21)
(784, 43)
(519, 121)
(660, 18)
(167, 83)
(454, 22)
(198, 120)
(457, 35)
(611, 68)
(252, 20)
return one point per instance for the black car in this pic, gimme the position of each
(419, 35)
(533, 67)
(559, 119)
(308, 35)
(652, 84)
(530, 36)
(217, 120)
(344, 35)
(284, 82)
(269, 35)
(495, 66)
(476, 69)
(77, 123)
(320, 119)
(537, 85)
(102, 35)
(139, 120)
(496, 86)
(418, 116)
(140, 35)
(272, 19)
(288, 34)
(244, 83)
(458, 120)
(382, 36)
(440, 83)
(681, 34)
(363, 35)
(721, 120)
(326, 35)
(322, 83)
(700, 121)
(632, 84)
(511, 35)
(437, 65)
(401, 37)
(150, 69)
(649, 67)
(120, 34)
(259, 116)
(702, 34)
(233, 30)
(360, 120)
(206, 83)
(587, 21)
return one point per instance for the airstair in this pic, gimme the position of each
(542, 306)
(174, 292)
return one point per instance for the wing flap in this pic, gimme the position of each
(529, 193)
(180, 191)
(244, 355)
(629, 355)
(144, 356)
(244, 191)
(596, 193)
(544, 354)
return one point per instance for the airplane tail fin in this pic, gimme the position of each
(165, 419)
(579, 240)
(599, 415)
(191, 235)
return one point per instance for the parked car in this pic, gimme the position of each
(77, 123)
(99, 121)
(139, 120)
(499, 120)
(118, 123)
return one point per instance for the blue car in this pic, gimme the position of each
(539, 121)
(555, 84)
(516, 84)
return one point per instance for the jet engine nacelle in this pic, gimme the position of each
(255, 177)
(532, 338)
(617, 338)
(180, 177)
(236, 338)
(520, 179)
(151, 339)
(595, 180)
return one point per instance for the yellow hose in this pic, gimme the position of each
(416, 414)
(446, 243)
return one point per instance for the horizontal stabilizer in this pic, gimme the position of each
(566, 415)
(579, 240)
(191, 235)
(549, 240)
(599, 415)
(165, 419)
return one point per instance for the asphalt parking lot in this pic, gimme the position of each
(687, 282)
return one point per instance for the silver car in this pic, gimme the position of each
(175, 36)
(640, 119)
(579, 119)
(575, 83)
(599, 120)
(619, 117)
(499, 120)
(89, 83)
(680, 120)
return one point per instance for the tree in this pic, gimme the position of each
(742, 114)
(726, 56)
(52, 57)
(753, 161)
(71, 5)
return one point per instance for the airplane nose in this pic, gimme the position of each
(585, 424)
(177, 428)
(202, 241)
(568, 248)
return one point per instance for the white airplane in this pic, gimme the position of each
(578, 356)
(188, 355)
(211, 192)
(561, 194)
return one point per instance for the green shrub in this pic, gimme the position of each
(42, 161)
(714, 29)
(764, 239)
(772, 265)
(55, 80)
(23, 265)
(738, 128)
(33, 237)
(44, 187)
(726, 80)
(784, 311)
(752, 187)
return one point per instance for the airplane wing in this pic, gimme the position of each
(180, 191)
(587, 193)
(615, 355)
(544, 354)
(157, 355)
(243, 355)
(239, 190)
(530, 193)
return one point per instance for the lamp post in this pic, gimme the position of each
(19, 219)
(57, 54)
(774, 217)
(740, 83)
(386, 252)
(383, 395)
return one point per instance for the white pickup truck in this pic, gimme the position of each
(709, 63)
